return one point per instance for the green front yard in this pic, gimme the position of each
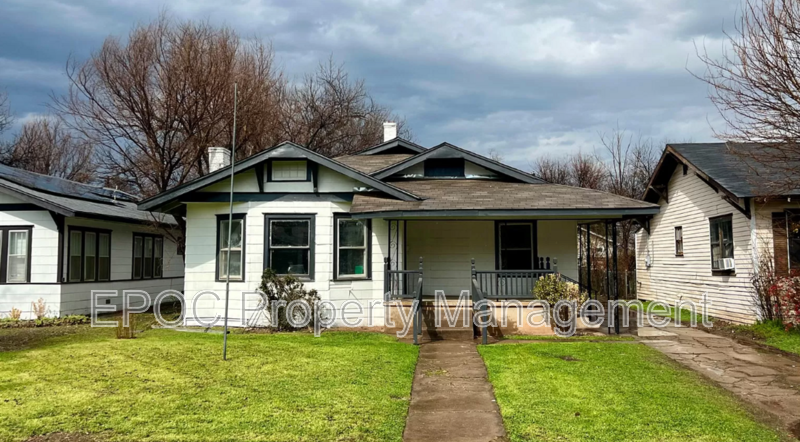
(771, 333)
(167, 385)
(610, 392)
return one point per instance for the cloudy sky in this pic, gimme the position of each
(522, 77)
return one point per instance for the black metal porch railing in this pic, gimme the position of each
(401, 284)
(516, 284)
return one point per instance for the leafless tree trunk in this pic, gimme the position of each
(6, 119)
(755, 85)
(45, 145)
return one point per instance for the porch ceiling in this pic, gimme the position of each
(495, 198)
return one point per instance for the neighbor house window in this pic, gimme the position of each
(16, 260)
(147, 250)
(444, 167)
(516, 245)
(679, 241)
(290, 244)
(351, 249)
(89, 255)
(721, 235)
(233, 247)
(288, 170)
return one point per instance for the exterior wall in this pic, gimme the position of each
(44, 262)
(763, 225)
(448, 246)
(201, 233)
(76, 297)
(671, 278)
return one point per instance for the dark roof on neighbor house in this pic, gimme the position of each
(70, 198)
(717, 165)
(483, 197)
(372, 163)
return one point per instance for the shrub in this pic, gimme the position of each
(123, 332)
(39, 308)
(768, 306)
(552, 288)
(285, 288)
(15, 313)
(44, 322)
(787, 291)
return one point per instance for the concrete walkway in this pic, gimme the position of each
(451, 398)
(769, 381)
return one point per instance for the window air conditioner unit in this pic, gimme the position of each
(726, 264)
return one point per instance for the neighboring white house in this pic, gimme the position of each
(60, 239)
(352, 226)
(712, 231)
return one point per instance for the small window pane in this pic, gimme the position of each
(148, 257)
(236, 234)
(351, 262)
(289, 233)
(137, 257)
(289, 261)
(17, 256)
(89, 255)
(236, 264)
(75, 244)
(351, 233)
(104, 258)
(158, 258)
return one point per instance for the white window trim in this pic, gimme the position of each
(339, 248)
(223, 273)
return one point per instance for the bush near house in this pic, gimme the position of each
(43, 322)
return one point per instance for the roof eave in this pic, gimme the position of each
(577, 213)
(32, 199)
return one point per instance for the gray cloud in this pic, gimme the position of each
(526, 78)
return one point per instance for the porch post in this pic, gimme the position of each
(608, 267)
(387, 282)
(589, 260)
(580, 256)
(616, 282)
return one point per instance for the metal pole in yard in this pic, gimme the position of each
(230, 228)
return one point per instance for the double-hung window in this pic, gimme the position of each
(289, 245)
(148, 252)
(89, 255)
(15, 263)
(516, 245)
(233, 247)
(351, 254)
(721, 236)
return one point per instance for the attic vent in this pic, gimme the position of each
(444, 167)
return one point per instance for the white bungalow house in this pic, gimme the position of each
(714, 228)
(60, 239)
(356, 227)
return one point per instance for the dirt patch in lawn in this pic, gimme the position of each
(63, 437)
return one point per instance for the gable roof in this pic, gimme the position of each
(372, 163)
(716, 164)
(70, 198)
(447, 150)
(282, 150)
(485, 198)
(394, 146)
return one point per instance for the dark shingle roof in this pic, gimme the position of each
(716, 161)
(372, 163)
(71, 198)
(444, 195)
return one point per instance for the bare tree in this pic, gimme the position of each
(6, 119)
(153, 103)
(332, 114)
(45, 145)
(575, 170)
(755, 85)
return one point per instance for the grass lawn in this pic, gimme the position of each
(169, 386)
(610, 392)
(686, 315)
(771, 333)
(576, 338)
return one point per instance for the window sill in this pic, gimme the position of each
(351, 278)
(677, 255)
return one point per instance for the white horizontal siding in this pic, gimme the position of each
(671, 278)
